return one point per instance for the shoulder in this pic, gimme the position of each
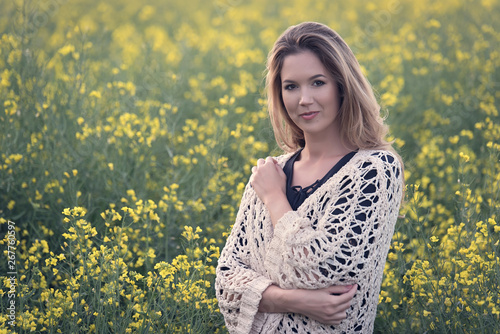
(282, 159)
(377, 157)
(381, 160)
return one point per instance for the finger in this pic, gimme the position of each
(278, 168)
(273, 160)
(340, 314)
(334, 320)
(338, 309)
(343, 301)
(339, 318)
(339, 289)
(260, 162)
(344, 306)
(254, 169)
(346, 297)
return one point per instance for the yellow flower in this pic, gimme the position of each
(465, 157)
(66, 49)
(95, 94)
(151, 253)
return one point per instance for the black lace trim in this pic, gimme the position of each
(296, 195)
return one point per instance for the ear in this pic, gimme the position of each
(341, 93)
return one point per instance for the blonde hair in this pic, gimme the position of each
(361, 124)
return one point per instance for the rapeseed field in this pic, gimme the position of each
(128, 131)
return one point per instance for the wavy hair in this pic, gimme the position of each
(361, 124)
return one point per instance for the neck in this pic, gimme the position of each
(318, 148)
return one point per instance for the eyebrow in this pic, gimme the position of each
(311, 78)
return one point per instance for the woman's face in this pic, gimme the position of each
(310, 94)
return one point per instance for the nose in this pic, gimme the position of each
(305, 98)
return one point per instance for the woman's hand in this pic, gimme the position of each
(269, 182)
(268, 179)
(328, 305)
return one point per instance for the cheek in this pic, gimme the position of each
(330, 97)
(288, 101)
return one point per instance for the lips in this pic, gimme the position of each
(309, 115)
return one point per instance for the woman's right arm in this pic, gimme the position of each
(239, 285)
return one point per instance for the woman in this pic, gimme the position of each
(307, 251)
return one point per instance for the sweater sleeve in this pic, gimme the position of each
(343, 235)
(238, 286)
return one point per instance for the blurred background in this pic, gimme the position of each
(128, 131)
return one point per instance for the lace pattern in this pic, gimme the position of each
(296, 194)
(339, 235)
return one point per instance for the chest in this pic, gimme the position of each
(305, 174)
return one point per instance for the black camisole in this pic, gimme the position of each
(297, 195)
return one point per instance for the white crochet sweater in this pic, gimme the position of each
(346, 226)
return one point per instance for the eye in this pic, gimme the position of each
(318, 83)
(289, 87)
